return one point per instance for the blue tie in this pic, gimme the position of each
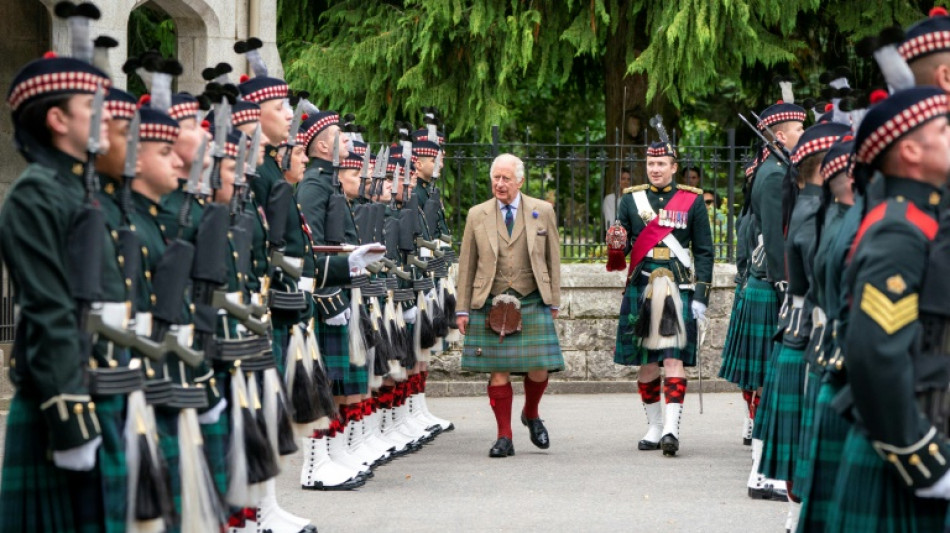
(509, 219)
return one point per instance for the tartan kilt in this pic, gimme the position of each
(869, 497)
(628, 351)
(728, 366)
(536, 347)
(803, 465)
(346, 379)
(166, 421)
(781, 438)
(280, 339)
(749, 343)
(112, 463)
(763, 413)
(35, 495)
(216, 435)
(826, 447)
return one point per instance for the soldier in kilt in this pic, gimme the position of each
(732, 368)
(802, 186)
(511, 253)
(893, 473)
(666, 293)
(326, 208)
(765, 287)
(818, 467)
(51, 480)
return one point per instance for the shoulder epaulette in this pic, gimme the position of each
(694, 190)
(636, 188)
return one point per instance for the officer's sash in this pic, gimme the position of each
(654, 233)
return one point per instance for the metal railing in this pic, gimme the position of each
(572, 177)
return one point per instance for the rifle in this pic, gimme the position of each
(364, 175)
(250, 166)
(768, 144)
(297, 102)
(239, 180)
(192, 187)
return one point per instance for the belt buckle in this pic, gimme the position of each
(662, 254)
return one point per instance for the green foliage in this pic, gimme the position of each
(150, 28)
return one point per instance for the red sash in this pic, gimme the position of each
(654, 232)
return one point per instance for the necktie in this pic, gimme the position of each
(509, 219)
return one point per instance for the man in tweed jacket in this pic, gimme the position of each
(511, 247)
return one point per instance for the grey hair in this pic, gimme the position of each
(511, 158)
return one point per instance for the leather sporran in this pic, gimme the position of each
(504, 318)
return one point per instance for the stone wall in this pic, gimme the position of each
(587, 324)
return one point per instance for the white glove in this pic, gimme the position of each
(409, 315)
(798, 302)
(699, 310)
(212, 415)
(361, 257)
(339, 320)
(940, 489)
(82, 458)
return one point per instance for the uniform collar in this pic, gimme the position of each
(65, 163)
(666, 189)
(810, 189)
(108, 184)
(322, 164)
(271, 152)
(923, 195)
(514, 203)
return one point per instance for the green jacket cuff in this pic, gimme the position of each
(919, 465)
(71, 419)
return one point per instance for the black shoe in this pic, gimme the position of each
(309, 528)
(768, 492)
(670, 445)
(746, 442)
(503, 447)
(539, 434)
(646, 445)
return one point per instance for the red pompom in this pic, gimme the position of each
(847, 138)
(938, 12)
(829, 107)
(49, 55)
(780, 102)
(244, 78)
(304, 117)
(144, 100)
(877, 95)
(205, 125)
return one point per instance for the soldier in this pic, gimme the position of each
(511, 252)
(53, 434)
(893, 469)
(426, 146)
(783, 124)
(841, 219)
(926, 52)
(327, 211)
(781, 438)
(663, 221)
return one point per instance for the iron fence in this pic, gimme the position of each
(573, 177)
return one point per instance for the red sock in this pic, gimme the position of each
(500, 399)
(649, 391)
(674, 389)
(424, 376)
(533, 390)
(755, 406)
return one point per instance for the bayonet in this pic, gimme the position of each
(128, 170)
(239, 179)
(222, 124)
(379, 173)
(192, 187)
(336, 160)
(292, 137)
(364, 175)
(93, 144)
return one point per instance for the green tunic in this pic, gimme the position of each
(696, 235)
(766, 210)
(875, 490)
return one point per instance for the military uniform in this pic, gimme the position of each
(895, 450)
(816, 473)
(53, 424)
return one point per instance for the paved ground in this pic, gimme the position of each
(591, 479)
